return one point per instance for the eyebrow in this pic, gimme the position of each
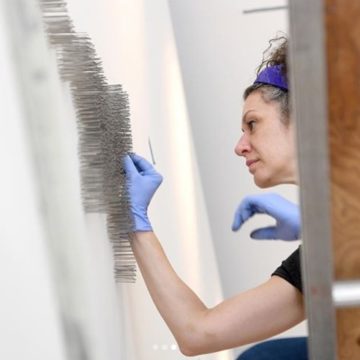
(244, 116)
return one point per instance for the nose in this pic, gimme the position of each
(243, 146)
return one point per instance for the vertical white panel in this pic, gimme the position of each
(136, 43)
(30, 326)
(60, 298)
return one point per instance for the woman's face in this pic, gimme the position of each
(267, 144)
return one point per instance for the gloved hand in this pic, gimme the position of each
(286, 214)
(142, 181)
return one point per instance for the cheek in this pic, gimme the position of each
(276, 158)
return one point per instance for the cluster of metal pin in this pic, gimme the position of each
(103, 123)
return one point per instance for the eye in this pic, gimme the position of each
(251, 124)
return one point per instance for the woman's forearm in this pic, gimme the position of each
(179, 306)
(250, 316)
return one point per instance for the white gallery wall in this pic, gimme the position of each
(59, 297)
(136, 43)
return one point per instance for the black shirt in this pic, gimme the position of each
(290, 270)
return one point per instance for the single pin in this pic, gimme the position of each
(151, 152)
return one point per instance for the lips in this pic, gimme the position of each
(249, 162)
(251, 166)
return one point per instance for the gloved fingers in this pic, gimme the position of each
(271, 204)
(129, 167)
(243, 213)
(260, 203)
(277, 206)
(267, 233)
(237, 222)
(143, 166)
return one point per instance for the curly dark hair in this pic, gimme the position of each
(275, 54)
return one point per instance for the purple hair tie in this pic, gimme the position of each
(272, 75)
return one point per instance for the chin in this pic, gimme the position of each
(264, 182)
(262, 185)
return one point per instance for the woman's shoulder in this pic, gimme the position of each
(290, 270)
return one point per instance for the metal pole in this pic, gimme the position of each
(309, 96)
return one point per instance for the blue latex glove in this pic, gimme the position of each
(142, 181)
(286, 214)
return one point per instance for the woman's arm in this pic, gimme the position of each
(254, 315)
(248, 317)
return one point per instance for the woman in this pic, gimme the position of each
(267, 145)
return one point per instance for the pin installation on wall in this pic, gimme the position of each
(104, 132)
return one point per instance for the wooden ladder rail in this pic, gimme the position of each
(325, 68)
